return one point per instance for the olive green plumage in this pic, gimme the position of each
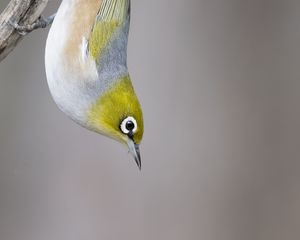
(112, 14)
(113, 106)
(100, 36)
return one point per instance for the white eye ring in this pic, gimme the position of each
(124, 125)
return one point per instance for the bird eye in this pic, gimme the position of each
(128, 125)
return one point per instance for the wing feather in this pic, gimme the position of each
(112, 14)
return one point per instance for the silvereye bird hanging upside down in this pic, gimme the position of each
(86, 67)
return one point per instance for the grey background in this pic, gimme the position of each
(219, 84)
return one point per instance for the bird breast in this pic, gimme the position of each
(71, 74)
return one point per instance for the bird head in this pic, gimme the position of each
(117, 114)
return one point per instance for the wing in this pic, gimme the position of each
(110, 30)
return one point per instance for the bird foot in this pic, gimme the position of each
(41, 22)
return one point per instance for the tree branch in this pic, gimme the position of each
(21, 12)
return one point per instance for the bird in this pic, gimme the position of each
(87, 73)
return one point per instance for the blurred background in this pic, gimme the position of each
(219, 83)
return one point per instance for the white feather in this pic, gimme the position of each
(84, 50)
(69, 85)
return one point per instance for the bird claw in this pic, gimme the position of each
(18, 28)
(41, 22)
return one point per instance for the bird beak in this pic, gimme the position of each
(135, 152)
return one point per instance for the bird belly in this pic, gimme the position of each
(71, 74)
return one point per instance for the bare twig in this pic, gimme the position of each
(18, 14)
